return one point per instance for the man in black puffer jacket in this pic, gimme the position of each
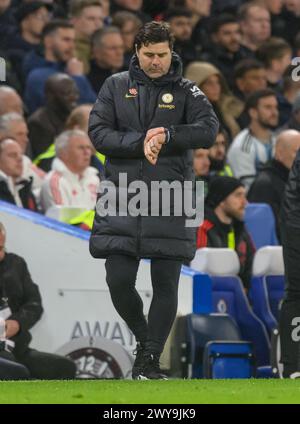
(146, 122)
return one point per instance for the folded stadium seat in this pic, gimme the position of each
(267, 285)
(194, 331)
(226, 359)
(260, 223)
(222, 265)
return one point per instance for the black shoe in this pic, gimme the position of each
(151, 370)
(139, 362)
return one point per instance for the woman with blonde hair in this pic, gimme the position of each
(211, 81)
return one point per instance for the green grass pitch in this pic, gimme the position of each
(151, 392)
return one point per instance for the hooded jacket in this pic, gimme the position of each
(128, 105)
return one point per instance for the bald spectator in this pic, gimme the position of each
(12, 188)
(10, 101)
(269, 185)
(129, 25)
(58, 55)
(79, 118)
(72, 182)
(87, 17)
(255, 23)
(47, 122)
(13, 125)
(108, 55)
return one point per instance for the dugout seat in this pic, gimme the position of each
(260, 223)
(267, 285)
(222, 265)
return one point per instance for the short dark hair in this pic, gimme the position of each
(153, 33)
(98, 35)
(245, 66)
(176, 12)
(52, 26)
(254, 98)
(274, 48)
(220, 20)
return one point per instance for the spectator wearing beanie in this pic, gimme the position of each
(223, 224)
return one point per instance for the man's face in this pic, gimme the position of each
(286, 154)
(274, 6)
(131, 4)
(201, 162)
(218, 149)
(2, 246)
(129, 31)
(253, 80)
(110, 54)
(155, 59)
(11, 159)
(229, 37)
(257, 26)
(266, 112)
(90, 20)
(293, 6)
(11, 102)
(181, 27)
(234, 204)
(201, 8)
(61, 44)
(18, 130)
(4, 4)
(77, 155)
(212, 88)
(36, 21)
(66, 94)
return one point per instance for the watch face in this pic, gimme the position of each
(98, 358)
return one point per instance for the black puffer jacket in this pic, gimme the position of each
(128, 105)
(290, 209)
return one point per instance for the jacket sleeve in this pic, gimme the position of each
(31, 309)
(104, 133)
(202, 124)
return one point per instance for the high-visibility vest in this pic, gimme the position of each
(86, 218)
(50, 153)
(231, 240)
(226, 172)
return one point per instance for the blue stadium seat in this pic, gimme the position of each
(227, 359)
(260, 223)
(201, 329)
(229, 297)
(267, 285)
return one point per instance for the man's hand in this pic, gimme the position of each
(153, 146)
(154, 131)
(74, 67)
(12, 328)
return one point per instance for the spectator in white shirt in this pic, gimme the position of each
(253, 147)
(72, 182)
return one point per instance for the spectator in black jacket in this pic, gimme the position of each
(21, 308)
(225, 52)
(269, 185)
(223, 223)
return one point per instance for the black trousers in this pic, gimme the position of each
(44, 366)
(121, 272)
(290, 311)
(10, 370)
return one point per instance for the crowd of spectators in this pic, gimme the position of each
(240, 53)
